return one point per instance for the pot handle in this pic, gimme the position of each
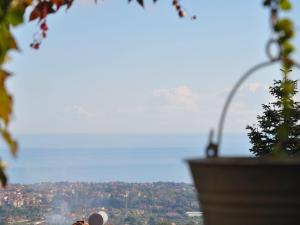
(212, 148)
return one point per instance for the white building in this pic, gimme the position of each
(194, 214)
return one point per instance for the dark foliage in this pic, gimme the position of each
(264, 136)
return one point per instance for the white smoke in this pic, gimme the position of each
(59, 216)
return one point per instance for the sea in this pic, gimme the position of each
(134, 158)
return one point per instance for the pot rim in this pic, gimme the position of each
(245, 161)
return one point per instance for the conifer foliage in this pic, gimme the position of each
(264, 136)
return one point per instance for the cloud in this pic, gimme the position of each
(256, 87)
(181, 97)
(78, 111)
(244, 107)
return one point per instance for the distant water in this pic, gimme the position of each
(100, 158)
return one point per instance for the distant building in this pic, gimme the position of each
(81, 222)
(194, 214)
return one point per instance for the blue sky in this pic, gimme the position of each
(116, 68)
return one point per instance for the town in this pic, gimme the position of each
(64, 203)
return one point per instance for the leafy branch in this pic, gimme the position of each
(11, 15)
(284, 31)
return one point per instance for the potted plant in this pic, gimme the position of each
(263, 190)
(260, 190)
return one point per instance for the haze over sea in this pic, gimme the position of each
(112, 157)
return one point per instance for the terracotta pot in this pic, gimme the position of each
(248, 191)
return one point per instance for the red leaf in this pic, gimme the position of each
(141, 2)
(36, 46)
(34, 14)
(41, 10)
(69, 3)
(58, 2)
(44, 26)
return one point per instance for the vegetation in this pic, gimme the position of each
(265, 135)
(284, 30)
(65, 203)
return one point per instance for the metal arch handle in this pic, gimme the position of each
(212, 148)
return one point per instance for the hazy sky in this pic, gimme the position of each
(116, 68)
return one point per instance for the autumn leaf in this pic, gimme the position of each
(15, 16)
(41, 10)
(5, 99)
(3, 177)
(13, 145)
(69, 3)
(58, 2)
(34, 14)
(7, 41)
(141, 2)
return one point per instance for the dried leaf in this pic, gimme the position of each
(13, 145)
(41, 10)
(3, 178)
(7, 41)
(5, 99)
(34, 14)
(69, 3)
(141, 2)
(15, 16)
(58, 2)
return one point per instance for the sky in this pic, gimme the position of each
(117, 68)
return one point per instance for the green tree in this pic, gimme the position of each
(130, 220)
(151, 220)
(164, 223)
(264, 136)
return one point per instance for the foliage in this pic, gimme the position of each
(283, 28)
(130, 220)
(151, 220)
(164, 223)
(266, 134)
(284, 31)
(11, 15)
(40, 12)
